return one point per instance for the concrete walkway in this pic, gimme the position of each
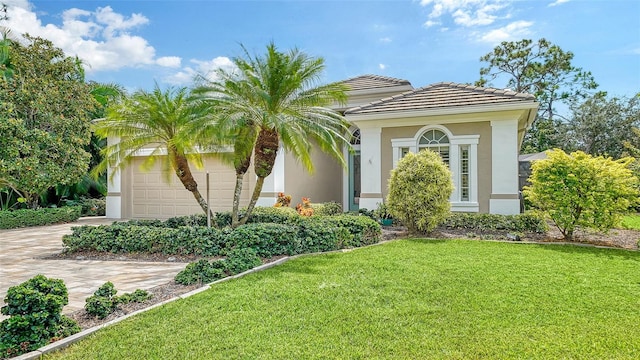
(21, 251)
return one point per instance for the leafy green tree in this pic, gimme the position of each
(272, 100)
(419, 191)
(544, 70)
(158, 120)
(578, 190)
(601, 125)
(44, 119)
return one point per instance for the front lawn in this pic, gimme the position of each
(406, 299)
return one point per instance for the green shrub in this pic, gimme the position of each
(137, 295)
(267, 239)
(104, 301)
(90, 207)
(578, 190)
(202, 271)
(99, 306)
(35, 310)
(144, 222)
(528, 222)
(363, 229)
(261, 214)
(327, 209)
(319, 234)
(419, 191)
(46, 216)
(190, 220)
(239, 260)
(130, 237)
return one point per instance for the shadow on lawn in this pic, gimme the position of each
(578, 248)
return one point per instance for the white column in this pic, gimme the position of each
(274, 183)
(114, 188)
(504, 167)
(370, 172)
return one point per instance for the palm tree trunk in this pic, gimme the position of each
(236, 200)
(266, 151)
(183, 171)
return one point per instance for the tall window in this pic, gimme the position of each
(437, 141)
(464, 173)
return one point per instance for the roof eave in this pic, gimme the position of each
(379, 90)
(451, 110)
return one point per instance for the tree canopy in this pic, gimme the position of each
(45, 108)
(272, 99)
(545, 70)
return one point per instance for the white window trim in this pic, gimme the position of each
(455, 141)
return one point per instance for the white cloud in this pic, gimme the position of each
(203, 68)
(385, 40)
(430, 23)
(100, 38)
(382, 66)
(558, 2)
(465, 12)
(169, 61)
(515, 30)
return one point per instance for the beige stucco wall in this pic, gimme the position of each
(147, 194)
(468, 128)
(323, 185)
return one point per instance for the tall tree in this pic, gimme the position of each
(544, 70)
(44, 110)
(601, 125)
(158, 120)
(105, 94)
(271, 100)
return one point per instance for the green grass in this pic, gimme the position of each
(409, 299)
(631, 222)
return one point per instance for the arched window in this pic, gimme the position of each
(459, 152)
(435, 140)
(355, 137)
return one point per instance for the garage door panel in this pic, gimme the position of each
(153, 197)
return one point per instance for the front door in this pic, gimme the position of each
(354, 180)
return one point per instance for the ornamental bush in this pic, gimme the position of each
(35, 310)
(104, 301)
(527, 222)
(202, 271)
(45, 216)
(579, 190)
(419, 191)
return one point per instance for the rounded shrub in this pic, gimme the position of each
(35, 310)
(419, 191)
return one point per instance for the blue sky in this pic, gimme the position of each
(138, 43)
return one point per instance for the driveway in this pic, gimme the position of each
(21, 252)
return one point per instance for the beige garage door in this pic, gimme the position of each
(151, 196)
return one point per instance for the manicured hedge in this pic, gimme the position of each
(293, 235)
(528, 222)
(46, 216)
(124, 237)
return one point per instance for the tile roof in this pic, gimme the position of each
(366, 82)
(442, 95)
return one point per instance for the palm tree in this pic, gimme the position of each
(271, 100)
(157, 120)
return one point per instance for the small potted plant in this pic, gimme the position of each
(382, 213)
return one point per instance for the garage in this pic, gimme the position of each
(149, 196)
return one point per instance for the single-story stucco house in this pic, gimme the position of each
(477, 131)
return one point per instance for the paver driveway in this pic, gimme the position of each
(21, 252)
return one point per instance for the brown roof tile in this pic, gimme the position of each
(365, 82)
(442, 95)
